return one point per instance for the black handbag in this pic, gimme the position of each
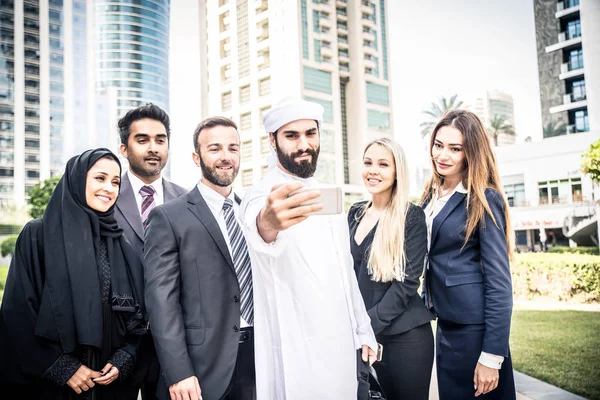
(375, 390)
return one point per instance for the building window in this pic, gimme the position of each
(223, 2)
(378, 94)
(245, 94)
(246, 151)
(262, 29)
(264, 87)
(264, 59)
(226, 73)
(561, 191)
(261, 113)
(265, 146)
(263, 170)
(378, 120)
(225, 48)
(515, 194)
(327, 141)
(574, 29)
(226, 101)
(7, 172)
(224, 21)
(316, 25)
(317, 48)
(245, 121)
(247, 178)
(327, 105)
(317, 80)
(243, 39)
(304, 30)
(325, 172)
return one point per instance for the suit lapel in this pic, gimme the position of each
(128, 206)
(456, 199)
(200, 209)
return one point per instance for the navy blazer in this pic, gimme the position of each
(395, 307)
(471, 283)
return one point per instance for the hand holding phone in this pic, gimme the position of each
(330, 197)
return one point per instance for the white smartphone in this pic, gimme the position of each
(331, 197)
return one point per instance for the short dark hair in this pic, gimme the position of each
(150, 111)
(211, 123)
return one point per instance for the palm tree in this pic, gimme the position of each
(499, 125)
(437, 111)
(554, 128)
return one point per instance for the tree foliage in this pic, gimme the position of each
(437, 111)
(39, 195)
(554, 128)
(499, 125)
(590, 161)
(7, 247)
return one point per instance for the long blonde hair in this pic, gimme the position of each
(387, 256)
(480, 172)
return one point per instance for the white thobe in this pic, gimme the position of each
(309, 316)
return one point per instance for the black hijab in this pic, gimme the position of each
(71, 308)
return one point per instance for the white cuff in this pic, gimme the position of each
(254, 240)
(491, 360)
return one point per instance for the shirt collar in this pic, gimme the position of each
(214, 199)
(307, 181)
(136, 185)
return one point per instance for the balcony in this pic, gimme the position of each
(369, 49)
(261, 5)
(571, 129)
(366, 7)
(572, 68)
(566, 7)
(368, 33)
(325, 22)
(262, 33)
(343, 54)
(341, 13)
(571, 101)
(326, 52)
(565, 40)
(370, 61)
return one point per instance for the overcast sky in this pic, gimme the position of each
(438, 47)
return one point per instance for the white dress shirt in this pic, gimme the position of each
(136, 185)
(215, 202)
(431, 211)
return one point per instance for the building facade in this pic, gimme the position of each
(547, 191)
(492, 103)
(46, 90)
(568, 47)
(334, 52)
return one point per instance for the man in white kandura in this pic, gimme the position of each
(310, 318)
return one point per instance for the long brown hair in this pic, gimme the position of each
(480, 171)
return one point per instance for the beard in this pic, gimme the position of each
(304, 169)
(138, 167)
(216, 177)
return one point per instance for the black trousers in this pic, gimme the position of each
(406, 366)
(243, 381)
(146, 371)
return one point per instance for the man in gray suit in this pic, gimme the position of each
(145, 133)
(198, 279)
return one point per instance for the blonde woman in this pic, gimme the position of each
(468, 282)
(388, 238)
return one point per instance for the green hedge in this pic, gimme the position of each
(574, 250)
(560, 277)
(10, 229)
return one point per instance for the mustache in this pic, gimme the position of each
(303, 152)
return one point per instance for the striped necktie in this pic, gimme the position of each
(241, 262)
(147, 193)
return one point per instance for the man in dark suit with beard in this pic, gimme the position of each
(198, 279)
(145, 133)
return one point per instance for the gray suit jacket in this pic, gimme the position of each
(192, 295)
(127, 213)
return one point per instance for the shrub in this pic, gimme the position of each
(556, 276)
(7, 247)
(573, 250)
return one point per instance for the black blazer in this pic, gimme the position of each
(192, 295)
(471, 283)
(395, 307)
(127, 212)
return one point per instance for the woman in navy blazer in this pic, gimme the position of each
(467, 279)
(388, 239)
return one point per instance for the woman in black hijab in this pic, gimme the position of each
(73, 313)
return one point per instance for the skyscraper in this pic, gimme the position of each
(568, 46)
(334, 52)
(133, 51)
(492, 103)
(46, 53)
